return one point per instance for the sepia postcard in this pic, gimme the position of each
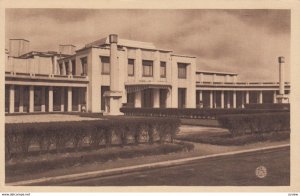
(150, 96)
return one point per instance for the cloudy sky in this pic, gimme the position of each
(247, 42)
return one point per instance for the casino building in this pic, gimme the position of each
(111, 73)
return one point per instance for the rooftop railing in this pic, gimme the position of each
(239, 83)
(46, 76)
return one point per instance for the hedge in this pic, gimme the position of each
(202, 113)
(268, 106)
(239, 124)
(59, 136)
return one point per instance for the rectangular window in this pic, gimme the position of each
(147, 68)
(163, 69)
(84, 66)
(182, 70)
(73, 67)
(130, 67)
(61, 69)
(68, 70)
(105, 63)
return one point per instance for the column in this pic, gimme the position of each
(50, 99)
(21, 101)
(247, 97)
(274, 97)
(138, 99)
(62, 99)
(70, 68)
(169, 99)
(156, 66)
(156, 98)
(54, 62)
(69, 99)
(260, 96)
(11, 99)
(243, 99)
(211, 99)
(43, 106)
(214, 99)
(138, 65)
(31, 98)
(79, 99)
(234, 99)
(200, 99)
(86, 98)
(228, 99)
(222, 99)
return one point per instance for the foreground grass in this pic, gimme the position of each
(227, 139)
(45, 162)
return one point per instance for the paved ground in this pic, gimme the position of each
(233, 170)
(46, 118)
(188, 129)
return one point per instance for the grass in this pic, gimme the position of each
(227, 139)
(46, 162)
(200, 122)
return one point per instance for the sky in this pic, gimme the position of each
(247, 42)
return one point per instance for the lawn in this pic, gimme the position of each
(43, 162)
(226, 139)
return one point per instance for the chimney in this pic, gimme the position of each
(114, 71)
(281, 75)
(18, 47)
(68, 49)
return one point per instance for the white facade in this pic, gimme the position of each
(107, 74)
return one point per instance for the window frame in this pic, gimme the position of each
(163, 64)
(181, 65)
(151, 74)
(103, 71)
(84, 66)
(133, 65)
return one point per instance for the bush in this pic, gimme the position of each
(59, 136)
(240, 124)
(203, 113)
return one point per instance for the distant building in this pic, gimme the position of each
(111, 73)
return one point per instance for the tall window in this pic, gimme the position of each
(130, 67)
(84, 66)
(68, 70)
(182, 70)
(73, 67)
(147, 68)
(105, 63)
(61, 69)
(163, 69)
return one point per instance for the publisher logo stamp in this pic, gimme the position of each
(261, 172)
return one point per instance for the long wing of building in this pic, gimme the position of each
(111, 73)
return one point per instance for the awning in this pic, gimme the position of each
(140, 87)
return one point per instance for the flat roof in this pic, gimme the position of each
(183, 55)
(217, 72)
(20, 39)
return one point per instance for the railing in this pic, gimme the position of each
(45, 76)
(240, 83)
(191, 113)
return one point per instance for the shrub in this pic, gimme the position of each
(204, 113)
(59, 136)
(239, 124)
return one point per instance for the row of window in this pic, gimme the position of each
(147, 67)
